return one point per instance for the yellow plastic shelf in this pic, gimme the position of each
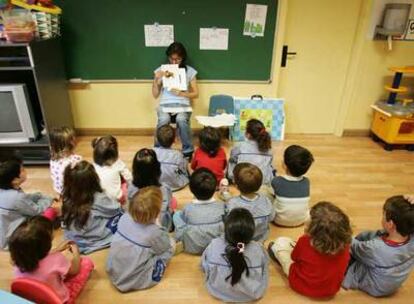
(406, 69)
(55, 10)
(396, 90)
(392, 129)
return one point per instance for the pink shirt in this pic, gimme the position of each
(52, 270)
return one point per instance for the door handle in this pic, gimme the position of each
(285, 54)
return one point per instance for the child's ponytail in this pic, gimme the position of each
(258, 133)
(239, 230)
(234, 255)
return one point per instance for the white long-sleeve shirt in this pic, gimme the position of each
(110, 177)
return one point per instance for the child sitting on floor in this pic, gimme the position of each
(257, 150)
(248, 179)
(202, 219)
(210, 154)
(113, 174)
(236, 267)
(61, 268)
(15, 204)
(90, 216)
(292, 190)
(174, 173)
(140, 250)
(317, 263)
(382, 260)
(146, 171)
(62, 154)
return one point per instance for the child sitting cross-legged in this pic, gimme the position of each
(90, 216)
(248, 179)
(174, 172)
(236, 267)
(112, 171)
(146, 171)
(317, 263)
(292, 190)
(15, 204)
(62, 153)
(202, 219)
(140, 249)
(61, 268)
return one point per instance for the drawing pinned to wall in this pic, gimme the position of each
(214, 38)
(255, 20)
(157, 35)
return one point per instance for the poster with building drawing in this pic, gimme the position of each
(255, 20)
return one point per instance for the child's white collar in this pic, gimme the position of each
(211, 200)
(293, 178)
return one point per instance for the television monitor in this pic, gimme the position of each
(17, 121)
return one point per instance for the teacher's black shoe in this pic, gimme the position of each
(188, 156)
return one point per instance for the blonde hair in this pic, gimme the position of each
(329, 228)
(146, 205)
(62, 142)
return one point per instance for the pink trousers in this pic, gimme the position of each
(77, 282)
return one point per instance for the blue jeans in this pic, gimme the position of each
(183, 126)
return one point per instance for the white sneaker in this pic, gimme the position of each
(224, 192)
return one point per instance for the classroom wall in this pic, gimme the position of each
(373, 61)
(131, 105)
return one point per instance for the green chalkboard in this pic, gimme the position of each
(105, 39)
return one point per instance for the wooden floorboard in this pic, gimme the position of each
(353, 172)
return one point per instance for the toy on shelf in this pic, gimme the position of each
(393, 121)
(18, 25)
(45, 15)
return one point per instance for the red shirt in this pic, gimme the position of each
(314, 274)
(216, 164)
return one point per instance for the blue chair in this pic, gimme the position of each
(220, 104)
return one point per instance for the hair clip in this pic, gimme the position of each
(240, 246)
(262, 131)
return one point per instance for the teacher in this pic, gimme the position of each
(176, 103)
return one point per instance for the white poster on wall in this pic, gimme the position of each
(255, 20)
(214, 39)
(157, 35)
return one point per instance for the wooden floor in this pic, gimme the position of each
(354, 173)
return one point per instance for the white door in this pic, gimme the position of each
(322, 34)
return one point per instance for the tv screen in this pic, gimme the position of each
(17, 123)
(9, 119)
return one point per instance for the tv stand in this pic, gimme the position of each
(39, 65)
